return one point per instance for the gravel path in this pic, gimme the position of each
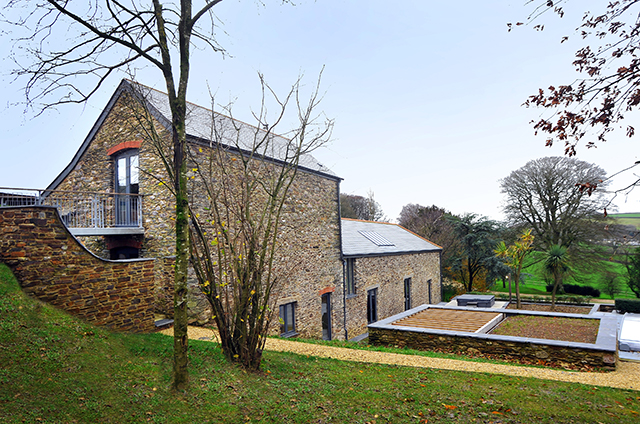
(626, 376)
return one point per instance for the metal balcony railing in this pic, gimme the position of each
(84, 213)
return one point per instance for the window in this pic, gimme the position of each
(127, 172)
(288, 319)
(350, 277)
(407, 294)
(127, 184)
(326, 316)
(372, 305)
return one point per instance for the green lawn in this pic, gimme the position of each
(56, 369)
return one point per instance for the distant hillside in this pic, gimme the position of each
(627, 218)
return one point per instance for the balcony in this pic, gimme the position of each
(84, 213)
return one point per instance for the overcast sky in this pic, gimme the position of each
(426, 95)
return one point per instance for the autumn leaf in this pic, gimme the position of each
(449, 406)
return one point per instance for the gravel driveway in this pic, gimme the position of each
(626, 376)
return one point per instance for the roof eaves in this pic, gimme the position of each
(408, 252)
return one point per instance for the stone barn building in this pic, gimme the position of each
(113, 198)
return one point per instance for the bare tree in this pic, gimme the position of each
(543, 195)
(360, 207)
(103, 37)
(247, 175)
(434, 224)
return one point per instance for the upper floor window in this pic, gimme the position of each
(127, 207)
(127, 172)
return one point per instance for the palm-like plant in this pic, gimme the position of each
(515, 255)
(556, 263)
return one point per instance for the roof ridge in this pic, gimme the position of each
(206, 108)
(371, 222)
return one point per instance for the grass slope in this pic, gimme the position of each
(56, 369)
(534, 282)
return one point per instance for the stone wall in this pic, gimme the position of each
(51, 265)
(163, 290)
(387, 274)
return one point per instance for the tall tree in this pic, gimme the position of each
(608, 89)
(544, 195)
(515, 255)
(434, 224)
(360, 207)
(103, 37)
(633, 270)
(477, 236)
(556, 262)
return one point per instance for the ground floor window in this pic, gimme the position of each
(326, 316)
(372, 305)
(407, 294)
(288, 319)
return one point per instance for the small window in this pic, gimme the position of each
(350, 276)
(372, 305)
(288, 319)
(407, 294)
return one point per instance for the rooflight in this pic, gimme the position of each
(376, 238)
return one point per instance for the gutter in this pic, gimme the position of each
(342, 259)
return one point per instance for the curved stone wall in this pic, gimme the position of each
(53, 266)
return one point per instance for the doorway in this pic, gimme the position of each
(326, 316)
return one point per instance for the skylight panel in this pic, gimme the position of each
(376, 238)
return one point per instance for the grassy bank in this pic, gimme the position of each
(56, 369)
(534, 281)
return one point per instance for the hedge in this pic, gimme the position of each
(628, 305)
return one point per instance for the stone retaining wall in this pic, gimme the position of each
(53, 266)
(599, 355)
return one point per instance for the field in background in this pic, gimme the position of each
(627, 218)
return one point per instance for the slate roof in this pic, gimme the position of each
(230, 132)
(367, 238)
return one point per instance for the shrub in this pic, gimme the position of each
(579, 300)
(628, 305)
(577, 289)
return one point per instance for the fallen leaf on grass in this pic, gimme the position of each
(449, 406)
